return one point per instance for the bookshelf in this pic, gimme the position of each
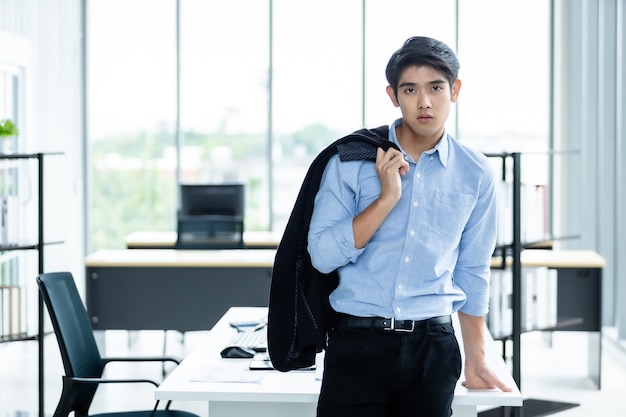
(21, 232)
(520, 204)
(574, 277)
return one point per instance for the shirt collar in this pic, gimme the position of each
(441, 149)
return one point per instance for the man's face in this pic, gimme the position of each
(424, 98)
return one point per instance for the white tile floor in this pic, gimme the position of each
(551, 373)
(559, 373)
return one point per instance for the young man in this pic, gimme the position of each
(411, 238)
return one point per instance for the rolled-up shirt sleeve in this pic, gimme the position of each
(472, 272)
(331, 237)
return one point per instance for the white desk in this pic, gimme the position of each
(293, 393)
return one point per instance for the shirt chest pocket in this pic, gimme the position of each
(451, 210)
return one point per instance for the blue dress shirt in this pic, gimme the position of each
(431, 256)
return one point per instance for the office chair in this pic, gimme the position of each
(210, 232)
(80, 355)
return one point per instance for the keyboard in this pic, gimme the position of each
(254, 340)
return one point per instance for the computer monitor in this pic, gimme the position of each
(212, 199)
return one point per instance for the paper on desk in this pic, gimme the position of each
(319, 370)
(228, 375)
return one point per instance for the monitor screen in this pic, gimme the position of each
(212, 199)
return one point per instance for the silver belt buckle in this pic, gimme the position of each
(392, 326)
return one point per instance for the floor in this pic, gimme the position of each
(553, 372)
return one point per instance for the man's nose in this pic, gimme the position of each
(423, 101)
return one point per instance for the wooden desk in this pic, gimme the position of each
(282, 394)
(167, 240)
(166, 289)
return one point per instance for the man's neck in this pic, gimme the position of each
(413, 144)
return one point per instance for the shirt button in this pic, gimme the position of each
(407, 259)
(415, 204)
(431, 158)
(419, 175)
(400, 286)
(406, 157)
(412, 233)
(398, 309)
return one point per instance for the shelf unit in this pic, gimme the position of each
(514, 250)
(510, 254)
(12, 160)
(511, 257)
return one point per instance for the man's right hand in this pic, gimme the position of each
(390, 165)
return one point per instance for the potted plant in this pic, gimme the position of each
(8, 130)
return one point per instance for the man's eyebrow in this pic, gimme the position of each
(407, 84)
(412, 84)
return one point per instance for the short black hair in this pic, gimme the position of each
(420, 51)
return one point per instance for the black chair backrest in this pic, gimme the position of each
(210, 232)
(79, 351)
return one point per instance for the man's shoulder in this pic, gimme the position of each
(468, 152)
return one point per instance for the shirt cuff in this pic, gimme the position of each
(345, 235)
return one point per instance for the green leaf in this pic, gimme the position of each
(8, 128)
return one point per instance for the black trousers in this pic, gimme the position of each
(380, 373)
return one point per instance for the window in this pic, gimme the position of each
(131, 64)
(11, 97)
(504, 101)
(224, 99)
(255, 96)
(316, 88)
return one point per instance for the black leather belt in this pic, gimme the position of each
(345, 320)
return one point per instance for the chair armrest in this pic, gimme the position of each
(142, 359)
(111, 381)
(97, 381)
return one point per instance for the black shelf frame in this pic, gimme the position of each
(39, 247)
(514, 250)
(530, 407)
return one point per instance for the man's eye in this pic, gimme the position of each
(437, 88)
(409, 90)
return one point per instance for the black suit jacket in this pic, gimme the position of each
(300, 314)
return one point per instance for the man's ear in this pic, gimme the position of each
(392, 96)
(456, 87)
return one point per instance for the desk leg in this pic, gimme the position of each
(594, 357)
(262, 409)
